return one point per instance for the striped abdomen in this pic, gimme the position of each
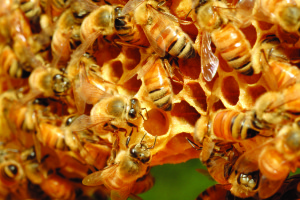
(285, 74)
(128, 31)
(158, 85)
(234, 48)
(232, 126)
(168, 36)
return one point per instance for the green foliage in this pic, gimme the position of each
(180, 181)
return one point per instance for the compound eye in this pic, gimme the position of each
(132, 113)
(57, 77)
(70, 121)
(13, 169)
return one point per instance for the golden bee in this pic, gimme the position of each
(212, 18)
(11, 64)
(12, 175)
(284, 13)
(272, 161)
(51, 183)
(158, 84)
(214, 192)
(50, 82)
(66, 36)
(161, 28)
(120, 176)
(32, 9)
(274, 63)
(107, 20)
(277, 108)
(84, 143)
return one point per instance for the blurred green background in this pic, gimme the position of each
(180, 181)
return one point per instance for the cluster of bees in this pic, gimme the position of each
(95, 93)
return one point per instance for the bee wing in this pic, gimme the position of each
(131, 5)
(209, 62)
(84, 92)
(100, 177)
(268, 73)
(147, 66)
(82, 48)
(157, 42)
(84, 122)
(268, 187)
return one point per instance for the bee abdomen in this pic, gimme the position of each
(231, 125)
(234, 48)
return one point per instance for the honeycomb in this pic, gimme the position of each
(33, 119)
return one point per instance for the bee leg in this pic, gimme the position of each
(129, 137)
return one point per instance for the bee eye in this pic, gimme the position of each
(13, 169)
(57, 77)
(31, 156)
(70, 121)
(132, 113)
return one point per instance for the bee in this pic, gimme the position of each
(108, 20)
(161, 28)
(120, 176)
(273, 160)
(213, 193)
(66, 36)
(219, 157)
(212, 18)
(277, 108)
(54, 8)
(49, 81)
(232, 125)
(32, 9)
(284, 13)
(143, 184)
(274, 63)
(158, 84)
(62, 138)
(12, 176)
(11, 64)
(51, 183)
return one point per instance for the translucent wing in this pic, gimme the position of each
(100, 177)
(81, 49)
(84, 122)
(131, 5)
(160, 23)
(209, 62)
(150, 62)
(84, 92)
(268, 187)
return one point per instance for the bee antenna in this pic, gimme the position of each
(143, 137)
(194, 145)
(153, 144)
(146, 114)
(188, 14)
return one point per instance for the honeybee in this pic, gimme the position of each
(49, 81)
(272, 161)
(51, 183)
(274, 63)
(32, 9)
(11, 64)
(274, 109)
(12, 176)
(158, 84)
(143, 184)
(161, 28)
(62, 138)
(212, 18)
(284, 13)
(66, 36)
(214, 192)
(232, 125)
(120, 176)
(107, 20)
(54, 8)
